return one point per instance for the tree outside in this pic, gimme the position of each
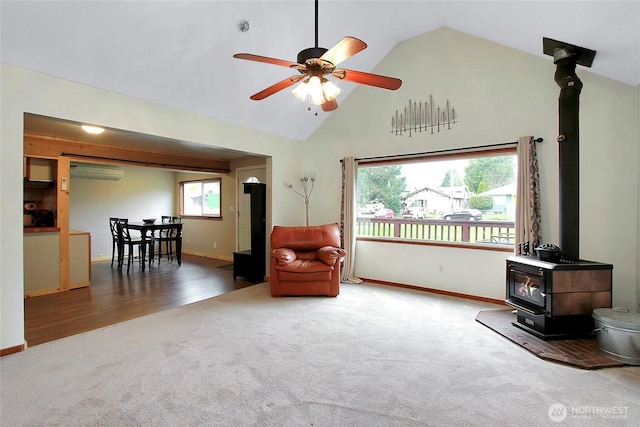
(383, 184)
(483, 203)
(457, 179)
(491, 172)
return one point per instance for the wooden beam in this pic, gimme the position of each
(62, 220)
(52, 147)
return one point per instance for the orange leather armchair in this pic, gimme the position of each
(305, 260)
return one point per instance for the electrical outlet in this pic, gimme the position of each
(188, 240)
(441, 268)
(215, 245)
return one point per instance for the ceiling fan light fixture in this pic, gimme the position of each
(315, 90)
(301, 91)
(319, 90)
(330, 90)
(316, 62)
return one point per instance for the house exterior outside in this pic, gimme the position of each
(504, 199)
(437, 200)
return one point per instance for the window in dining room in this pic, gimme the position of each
(201, 198)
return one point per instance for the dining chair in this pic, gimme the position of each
(115, 246)
(173, 235)
(130, 243)
(168, 238)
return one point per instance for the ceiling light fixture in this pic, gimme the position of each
(318, 89)
(94, 130)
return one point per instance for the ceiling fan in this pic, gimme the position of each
(314, 64)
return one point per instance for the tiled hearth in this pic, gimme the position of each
(580, 353)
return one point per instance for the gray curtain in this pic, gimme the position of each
(348, 219)
(527, 195)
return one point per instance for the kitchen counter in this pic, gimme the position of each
(79, 259)
(43, 247)
(41, 262)
(77, 232)
(38, 229)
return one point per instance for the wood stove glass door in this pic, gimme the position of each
(527, 287)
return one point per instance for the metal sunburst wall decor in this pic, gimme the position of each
(423, 117)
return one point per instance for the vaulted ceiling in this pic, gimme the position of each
(179, 53)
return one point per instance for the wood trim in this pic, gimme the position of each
(63, 207)
(466, 153)
(475, 246)
(436, 291)
(52, 147)
(89, 252)
(11, 350)
(79, 285)
(41, 292)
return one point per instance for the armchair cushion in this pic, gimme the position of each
(283, 256)
(329, 254)
(304, 267)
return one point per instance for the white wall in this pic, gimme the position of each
(26, 91)
(141, 193)
(499, 94)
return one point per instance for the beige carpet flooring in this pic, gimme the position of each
(373, 356)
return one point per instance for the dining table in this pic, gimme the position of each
(148, 229)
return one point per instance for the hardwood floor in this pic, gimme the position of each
(115, 296)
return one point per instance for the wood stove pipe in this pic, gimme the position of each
(569, 154)
(566, 56)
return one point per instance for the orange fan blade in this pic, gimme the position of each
(370, 79)
(266, 59)
(276, 87)
(342, 50)
(330, 105)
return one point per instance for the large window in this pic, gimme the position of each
(200, 198)
(455, 198)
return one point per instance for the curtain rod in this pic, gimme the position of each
(163, 165)
(449, 150)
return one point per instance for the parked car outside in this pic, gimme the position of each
(414, 212)
(384, 213)
(464, 214)
(370, 209)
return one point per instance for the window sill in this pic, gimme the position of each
(475, 246)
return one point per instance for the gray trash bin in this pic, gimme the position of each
(618, 334)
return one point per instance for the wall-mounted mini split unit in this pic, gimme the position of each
(96, 171)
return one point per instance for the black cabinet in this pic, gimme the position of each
(251, 263)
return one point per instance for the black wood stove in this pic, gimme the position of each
(555, 299)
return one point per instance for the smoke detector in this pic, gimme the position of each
(243, 26)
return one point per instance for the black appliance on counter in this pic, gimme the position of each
(43, 218)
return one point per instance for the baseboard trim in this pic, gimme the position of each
(208, 255)
(11, 350)
(436, 291)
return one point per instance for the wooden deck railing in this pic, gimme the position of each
(496, 232)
